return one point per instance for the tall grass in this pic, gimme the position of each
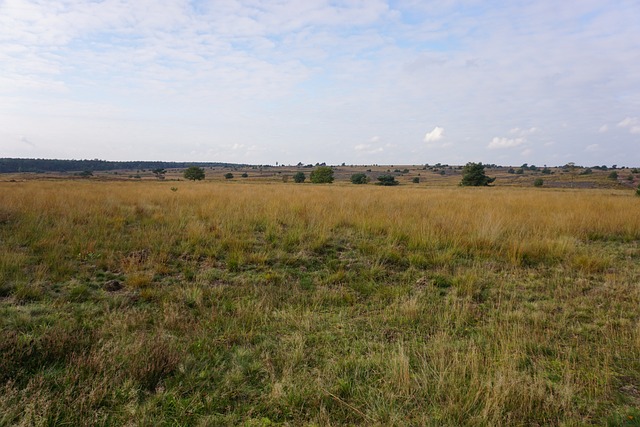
(252, 304)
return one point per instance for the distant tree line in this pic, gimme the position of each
(9, 165)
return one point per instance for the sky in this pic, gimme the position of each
(542, 82)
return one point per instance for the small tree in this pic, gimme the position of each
(194, 173)
(538, 182)
(245, 175)
(416, 180)
(159, 173)
(228, 175)
(473, 175)
(322, 175)
(359, 178)
(613, 175)
(299, 177)
(387, 180)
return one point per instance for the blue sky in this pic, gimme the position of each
(355, 81)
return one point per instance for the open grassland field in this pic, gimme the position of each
(258, 304)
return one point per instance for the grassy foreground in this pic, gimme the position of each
(282, 304)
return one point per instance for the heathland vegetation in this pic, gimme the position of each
(236, 302)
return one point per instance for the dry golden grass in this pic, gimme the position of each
(285, 304)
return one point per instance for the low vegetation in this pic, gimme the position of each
(322, 175)
(165, 303)
(195, 173)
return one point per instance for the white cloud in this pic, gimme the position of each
(526, 152)
(435, 135)
(603, 128)
(631, 123)
(498, 143)
(524, 132)
(628, 122)
(368, 148)
(592, 148)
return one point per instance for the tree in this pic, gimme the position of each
(299, 177)
(228, 175)
(159, 172)
(539, 182)
(613, 175)
(359, 178)
(387, 180)
(322, 175)
(194, 173)
(416, 180)
(473, 175)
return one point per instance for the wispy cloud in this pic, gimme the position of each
(497, 143)
(632, 124)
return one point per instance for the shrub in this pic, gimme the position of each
(228, 175)
(299, 177)
(245, 175)
(387, 180)
(638, 191)
(511, 170)
(538, 182)
(194, 173)
(322, 175)
(546, 171)
(587, 171)
(473, 175)
(416, 180)
(520, 171)
(359, 178)
(613, 175)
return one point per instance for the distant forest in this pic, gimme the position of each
(8, 165)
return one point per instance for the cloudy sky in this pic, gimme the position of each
(356, 81)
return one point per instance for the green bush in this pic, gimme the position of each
(228, 175)
(538, 182)
(416, 180)
(299, 177)
(359, 178)
(194, 173)
(322, 175)
(387, 180)
(613, 175)
(245, 175)
(473, 175)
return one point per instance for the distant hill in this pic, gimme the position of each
(8, 165)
